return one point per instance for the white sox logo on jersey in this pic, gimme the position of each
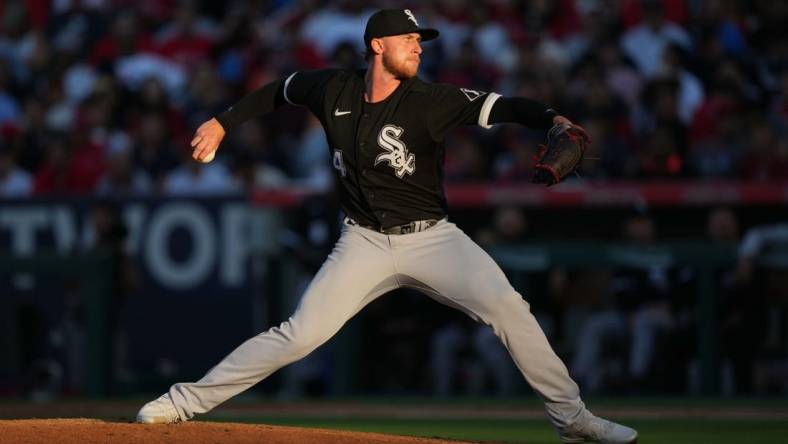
(411, 17)
(396, 153)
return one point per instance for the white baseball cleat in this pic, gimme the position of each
(159, 411)
(592, 429)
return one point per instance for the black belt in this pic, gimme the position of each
(410, 227)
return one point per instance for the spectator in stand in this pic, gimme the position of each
(194, 179)
(588, 91)
(719, 134)
(621, 78)
(596, 101)
(236, 47)
(272, 163)
(769, 37)
(609, 156)
(55, 175)
(598, 29)
(779, 108)
(9, 106)
(243, 172)
(452, 18)
(207, 95)
(720, 156)
(126, 37)
(659, 156)
(29, 137)
(88, 141)
(14, 181)
(333, 24)
(122, 178)
(658, 124)
(76, 26)
(466, 161)
(42, 64)
(310, 168)
(469, 68)
(646, 42)
(630, 12)
(690, 89)
(516, 159)
(153, 150)
(189, 38)
(346, 56)
(14, 37)
(766, 155)
(491, 39)
(152, 99)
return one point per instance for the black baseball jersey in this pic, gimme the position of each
(388, 156)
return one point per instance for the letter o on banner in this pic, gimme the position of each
(197, 267)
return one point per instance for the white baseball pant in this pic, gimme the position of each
(442, 262)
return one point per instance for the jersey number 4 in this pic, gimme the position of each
(339, 164)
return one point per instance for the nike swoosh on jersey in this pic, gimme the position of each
(337, 112)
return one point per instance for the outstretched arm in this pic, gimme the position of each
(526, 112)
(566, 142)
(210, 134)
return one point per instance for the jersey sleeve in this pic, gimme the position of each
(308, 88)
(452, 107)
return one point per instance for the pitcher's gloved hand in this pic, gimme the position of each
(566, 144)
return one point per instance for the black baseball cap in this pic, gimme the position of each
(388, 22)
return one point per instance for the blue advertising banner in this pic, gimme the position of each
(183, 293)
(180, 244)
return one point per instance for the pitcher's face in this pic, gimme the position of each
(402, 54)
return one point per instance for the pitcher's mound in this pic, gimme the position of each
(85, 431)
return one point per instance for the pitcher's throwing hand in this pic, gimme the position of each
(206, 140)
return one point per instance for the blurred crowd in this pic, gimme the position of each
(102, 96)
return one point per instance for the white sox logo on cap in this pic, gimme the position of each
(411, 17)
(388, 22)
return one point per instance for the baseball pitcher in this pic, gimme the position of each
(386, 131)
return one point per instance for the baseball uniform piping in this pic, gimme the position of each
(484, 114)
(284, 90)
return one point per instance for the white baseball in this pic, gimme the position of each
(209, 157)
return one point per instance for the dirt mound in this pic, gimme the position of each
(96, 431)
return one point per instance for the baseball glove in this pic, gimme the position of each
(566, 144)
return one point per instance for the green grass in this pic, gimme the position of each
(533, 401)
(672, 427)
(672, 431)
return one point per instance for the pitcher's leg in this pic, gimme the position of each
(512, 321)
(357, 271)
(449, 266)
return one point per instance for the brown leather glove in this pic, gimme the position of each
(566, 144)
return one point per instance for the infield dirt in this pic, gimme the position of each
(90, 431)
